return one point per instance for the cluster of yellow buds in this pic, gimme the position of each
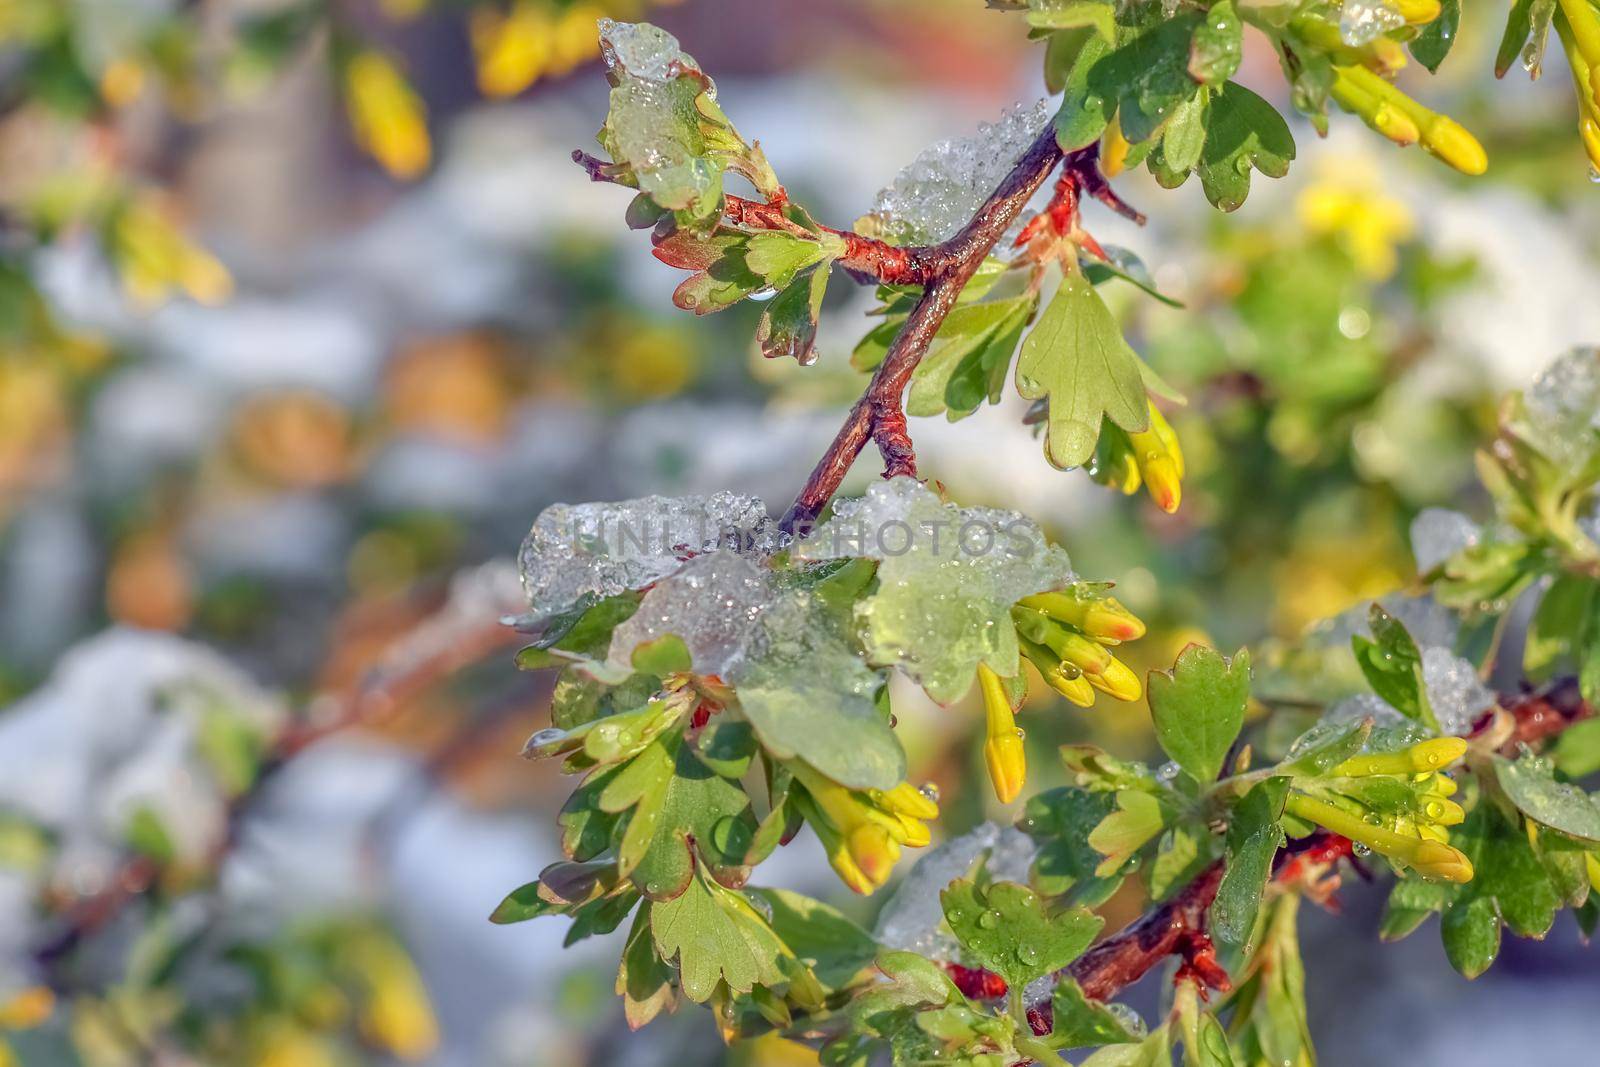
(386, 114)
(1579, 29)
(1415, 836)
(1068, 636)
(862, 830)
(1404, 121)
(1150, 458)
(1383, 53)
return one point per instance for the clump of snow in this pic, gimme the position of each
(576, 551)
(116, 732)
(1439, 533)
(1563, 407)
(938, 192)
(713, 603)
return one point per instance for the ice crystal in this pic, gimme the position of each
(640, 49)
(913, 919)
(583, 550)
(947, 578)
(1563, 408)
(653, 125)
(1363, 21)
(1439, 533)
(934, 196)
(712, 603)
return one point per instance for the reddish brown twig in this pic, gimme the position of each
(878, 416)
(866, 258)
(1545, 712)
(1177, 927)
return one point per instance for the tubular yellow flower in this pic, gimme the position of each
(1002, 748)
(862, 832)
(1160, 461)
(1117, 681)
(1113, 150)
(1403, 120)
(1431, 755)
(1429, 858)
(1102, 618)
(1591, 861)
(387, 115)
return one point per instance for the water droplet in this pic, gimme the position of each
(1361, 850)
(930, 791)
(989, 920)
(1027, 954)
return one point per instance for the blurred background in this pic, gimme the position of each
(305, 313)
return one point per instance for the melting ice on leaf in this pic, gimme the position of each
(947, 578)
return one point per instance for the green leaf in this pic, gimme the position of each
(1433, 43)
(778, 256)
(1076, 358)
(983, 334)
(1008, 930)
(943, 599)
(1577, 751)
(1410, 902)
(522, 904)
(1471, 933)
(788, 325)
(1084, 1023)
(644, 981)
(147, 835)
(1393, 667)
(715, 935)
(1183, 140)
(1242, 131)
(1216, 47)
(658, 131)
(1085, 111)
(1532, 787)
(1125, 265)
(1148, 74)
(1198, 708)
(1559, 625)
(807, 693)
(678, 807)
(838, 949)
(1074, 14)
(1253, 839)
(1327, 744)
(1060, 821)
(1185, 850)
(1119, 835)
(1510, 884)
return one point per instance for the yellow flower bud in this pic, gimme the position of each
(1117, 681)
(1417, 12)
(1430, 858)
(1589, 130)
(27, 1009)
(1591, 862)
(1102, 618)
(907, 799)
(1441, 812)
(1082, 653)
(387, 115)
(1431, 755)
(1113, 150)
(1449, 140)
(1160, 461)
(1003, 751)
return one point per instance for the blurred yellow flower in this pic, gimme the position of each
(27, 1009)
(397, 1015)
(155, 258)
(512, 48)
(289, 1047)
(1349, 205)
(386, 115)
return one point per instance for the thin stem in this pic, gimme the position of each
(878, 416)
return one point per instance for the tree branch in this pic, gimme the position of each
(878, 416)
